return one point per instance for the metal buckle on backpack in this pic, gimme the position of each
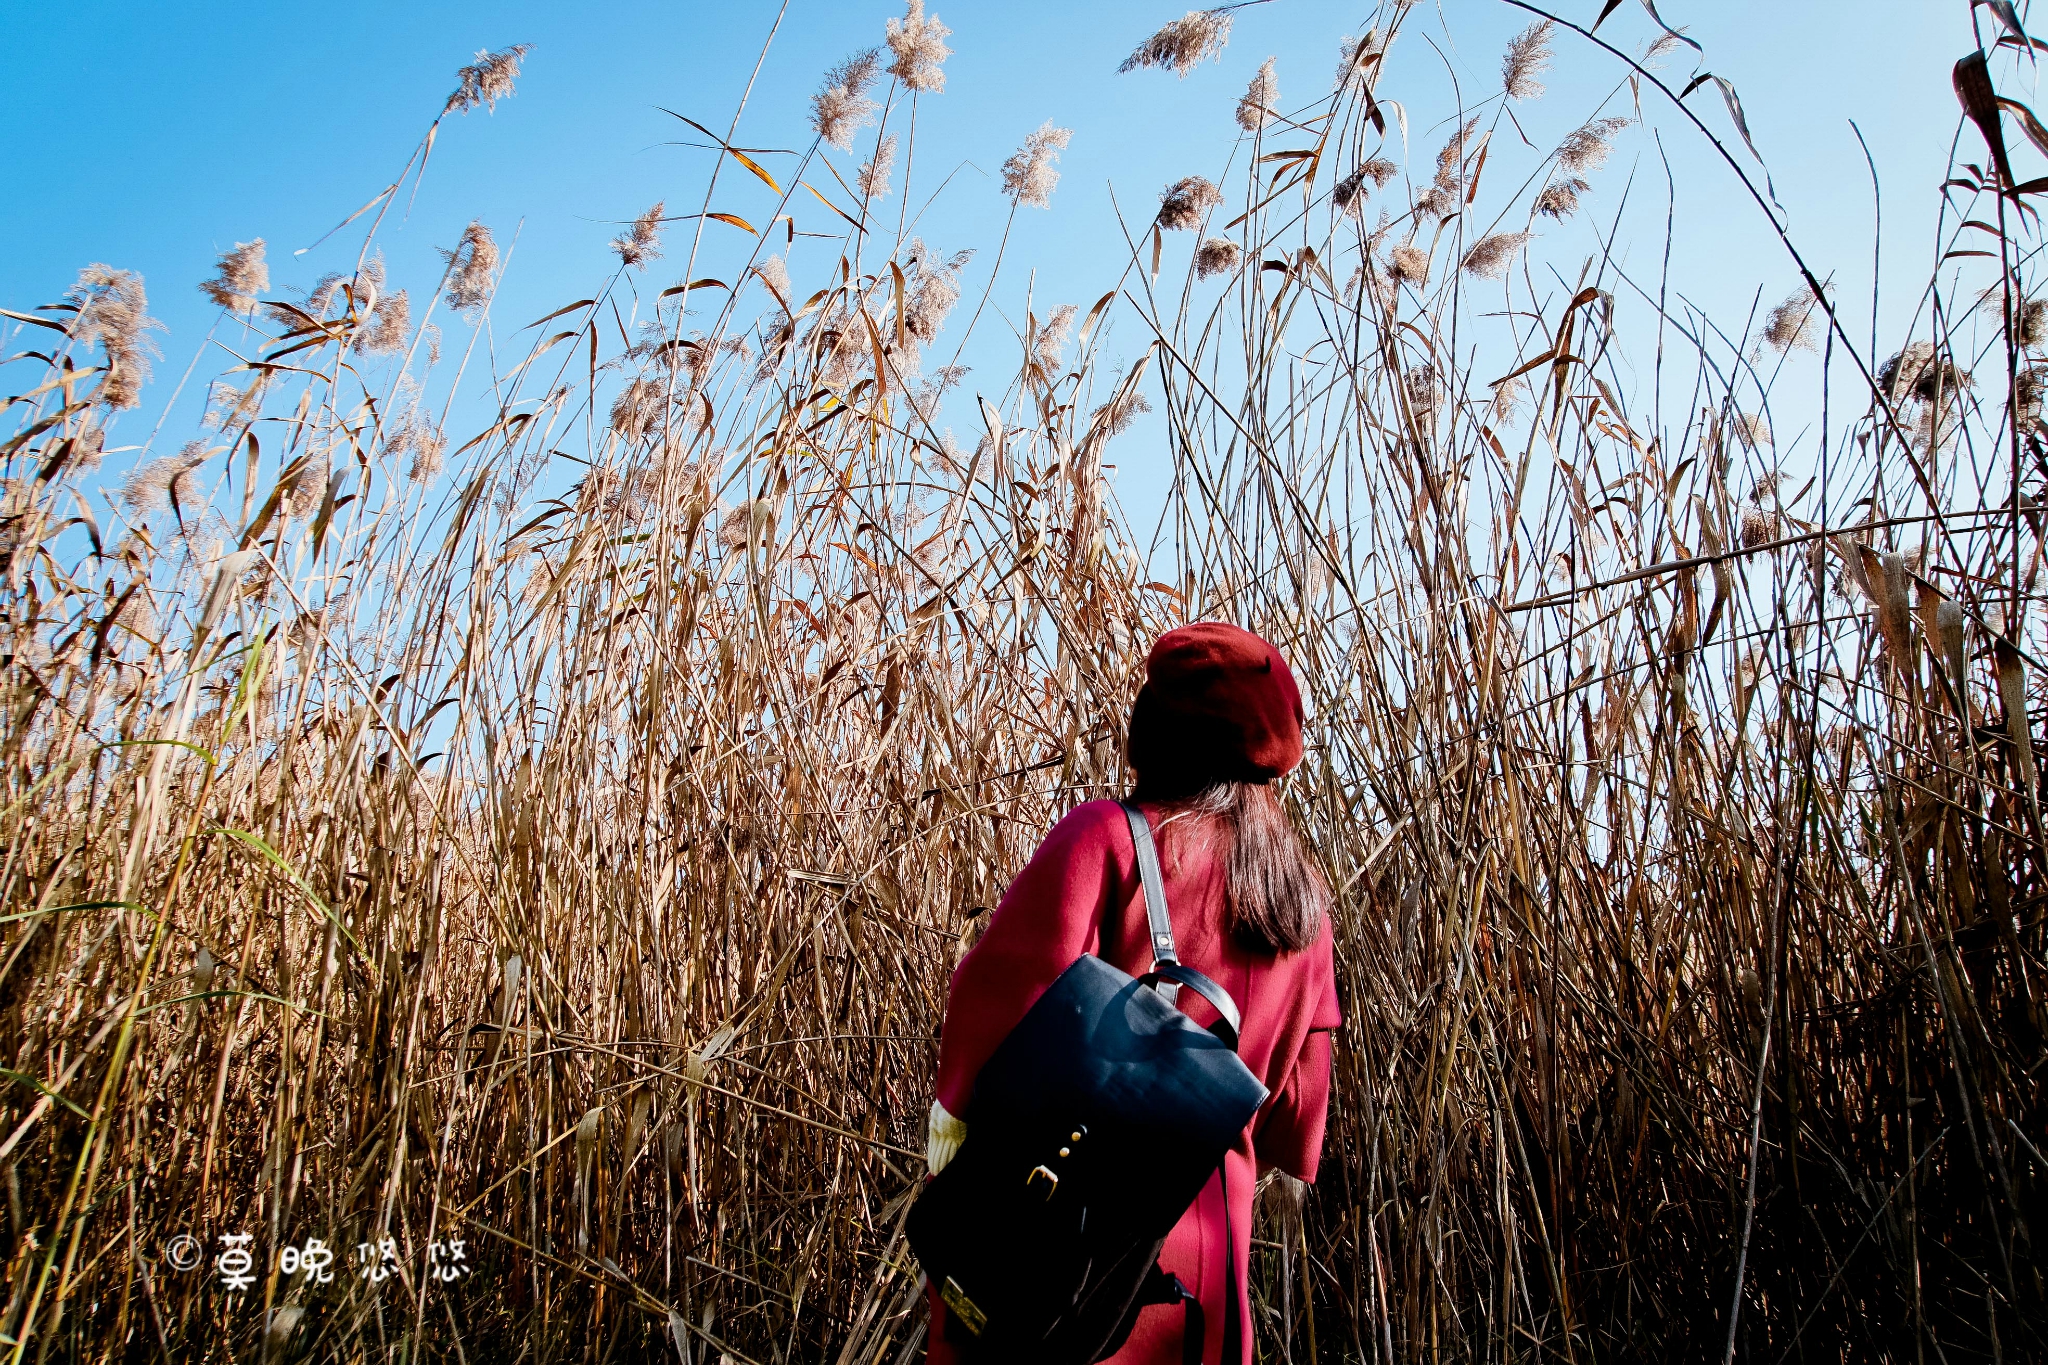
(971, 1317)
(1052, 1179)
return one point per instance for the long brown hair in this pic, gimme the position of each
(1275, 896)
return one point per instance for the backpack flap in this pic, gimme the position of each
(1162, 1098)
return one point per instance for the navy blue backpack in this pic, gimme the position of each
(1093, 1127)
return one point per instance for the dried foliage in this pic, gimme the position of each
(555, 834)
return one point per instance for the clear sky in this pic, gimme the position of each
(154, 136)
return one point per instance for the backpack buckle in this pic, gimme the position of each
(965, 1310)
(1050, 1176)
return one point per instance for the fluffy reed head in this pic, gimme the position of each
(1440, 201)
(934, 289)
(1919, 374)
(1030, 175)
(2032, 324)
(229, 406)
(1759, 526)
(641, 242)
(1184, 203)
(1357, 59)
(1408, 264)
(1528, 56)
(873, 178)
(1050, 340)
(168, 480)
(1450, 158)
(113, 313)
(1349, 194)
(472, 269)
(1260, 100)
(1115, 417)
(239, 276)
(486, 80)
(2030, 386)
(389, 324)
(1560, 198)
(1792, 324)
(1585, 148)
(918, 45)
(774, 272)
(842, 107)
(1217, 256)
(1425, 392)
(638, 408)
(428, 448)
(1184, 43)
(1491, 256)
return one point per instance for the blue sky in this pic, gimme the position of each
(154, 136)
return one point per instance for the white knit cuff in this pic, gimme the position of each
(943, 1136)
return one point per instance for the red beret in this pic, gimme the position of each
(1218, 704)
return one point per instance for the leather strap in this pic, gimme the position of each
(1194, 1331)
(1228, 1024)
(1167, 976)
(1157, 922)
(1233, 1320)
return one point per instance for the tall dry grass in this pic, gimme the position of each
(555, 835)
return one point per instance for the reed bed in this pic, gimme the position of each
(553, 835)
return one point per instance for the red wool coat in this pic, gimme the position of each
(1085, 875)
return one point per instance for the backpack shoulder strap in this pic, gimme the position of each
(1158, 923)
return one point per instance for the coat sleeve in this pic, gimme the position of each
(1050, 916)
(1290, 1131)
